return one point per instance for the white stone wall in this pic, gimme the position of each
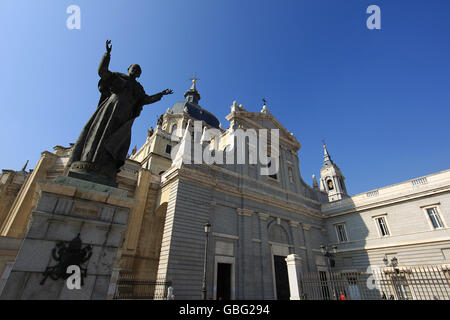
(412, 239)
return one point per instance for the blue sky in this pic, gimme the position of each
(380, 98)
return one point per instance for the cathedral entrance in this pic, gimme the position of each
(281, 278)
(279, 243)
(223, 281)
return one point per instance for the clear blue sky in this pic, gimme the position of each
(380, 98)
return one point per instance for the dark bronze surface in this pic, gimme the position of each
(102, 146)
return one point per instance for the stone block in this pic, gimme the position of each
(47, 203)
(224, 248)
(101, 288)
(14, 287)
(106, 261)
(92, 195)
(59, 230)
(121, 215)
(114, 237)
(34, 255)
(38, 226)
(102, 260)
(79, 294)
(92, 263)
(69, 207)
(94, 234)
(64, 206)
(48, 291)
(107, 214)
(52, 187)
(86, 209)
(120, 201)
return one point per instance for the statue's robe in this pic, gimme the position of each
(105, 139)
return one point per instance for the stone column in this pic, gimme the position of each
(295, 235)
(136, 215)
(307, 243)
(15, 223)
(70, 208)
(128, 250)
(245, 276)
(266, 258)
(6, 272)
(294, 266)
(113, 283)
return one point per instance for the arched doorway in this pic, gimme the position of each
(279, 242)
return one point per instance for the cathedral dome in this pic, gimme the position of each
(191, 106)
(196, 112)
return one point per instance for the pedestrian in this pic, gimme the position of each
(170, 294)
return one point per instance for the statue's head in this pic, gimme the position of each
(134, 70)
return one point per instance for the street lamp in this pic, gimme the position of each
(326, 253)
(393, 264)
(207, 227)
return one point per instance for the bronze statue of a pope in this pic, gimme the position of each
(103, 144)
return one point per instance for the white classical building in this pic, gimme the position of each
(407, 220)
(272, 236)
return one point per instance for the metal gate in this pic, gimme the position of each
(399, 283)
(128, 287)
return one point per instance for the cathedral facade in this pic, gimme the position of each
(256, 221)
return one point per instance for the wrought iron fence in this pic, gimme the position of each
(128, 287)
(399, 283)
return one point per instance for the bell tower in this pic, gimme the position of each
(331, 178)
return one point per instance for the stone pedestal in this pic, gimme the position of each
(294, 266)
(68, 207)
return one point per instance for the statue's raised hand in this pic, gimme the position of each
(167, 91)
(108, 46)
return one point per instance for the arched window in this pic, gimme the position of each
(277, 234)
(330, 184)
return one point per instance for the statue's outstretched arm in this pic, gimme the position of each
(103, 71)
(153, 98)
(156, 97)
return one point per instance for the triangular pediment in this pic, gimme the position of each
(260, 120)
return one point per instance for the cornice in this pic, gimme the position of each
(391, 201)
(245, 192)
(244, 212)
(245, 116)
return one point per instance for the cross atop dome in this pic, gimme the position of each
(194, 78)
(192, 95)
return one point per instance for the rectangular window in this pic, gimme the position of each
(168, 148)
(435, 218)
(340, 230)
(382, 226)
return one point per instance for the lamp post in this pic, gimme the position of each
(326, 253)
(393, 264)
(395, 280)
(207, 227)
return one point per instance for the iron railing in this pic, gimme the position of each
(399, 283)
(128, 287)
